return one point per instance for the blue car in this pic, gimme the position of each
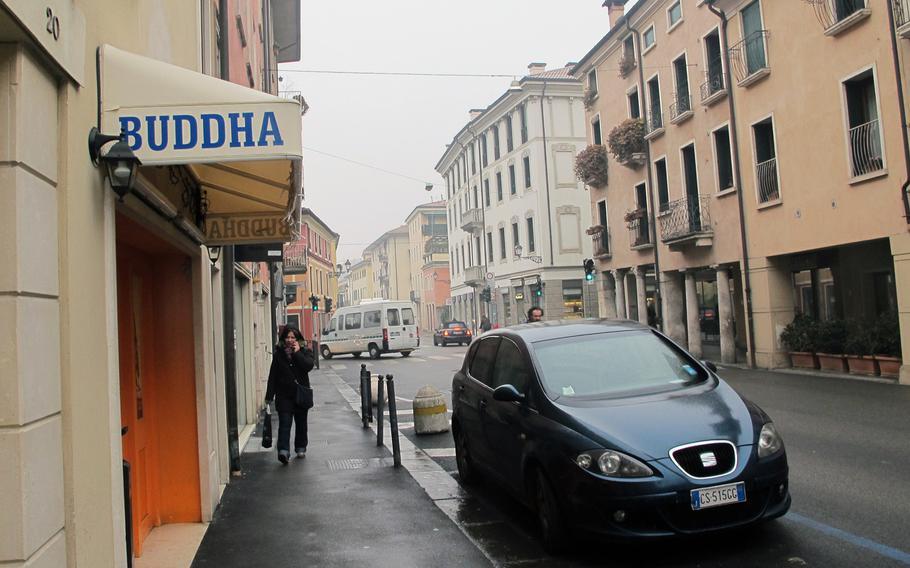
(608, 427)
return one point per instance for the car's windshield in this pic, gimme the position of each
(613, 364)
(455, 324)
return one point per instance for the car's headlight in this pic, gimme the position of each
(612, 463)
(769, 441)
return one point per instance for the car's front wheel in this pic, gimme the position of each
(375, 353)
(549, 516)
(467, 475)
(326, 352)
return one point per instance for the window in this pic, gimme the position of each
(628, 48)
(473, 159)
(486, 192)
(682, 104)
(371, 319)
(596, 135)
(663, 190)
(392, 315)
(690, 172)
(753, 38)
(655, 116)
(483, 151)
(512, 189)
(523, 118)
(864, 127)
(482, 364)
(498, 186)
(530, 221)
(407, 317)
(765, 161)
(495, 132)
(723, 158)
(602, 240)
(592, 82)
(516, 240)
(674, 14)
(714, 76)
(457, 175)
(641, 229)
(511, 367)
(502, 243)
(490, 246)
(352, 321)
(649, 38)
(477, 250)
(527, 165)
(510, 142)
(331, 327)
(634, 106)
(573, 306)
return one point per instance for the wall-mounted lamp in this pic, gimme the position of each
(518, 250)
(428, 187)
(120, 162)
(214, 254)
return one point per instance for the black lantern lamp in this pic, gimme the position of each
(119, 161)
(214, 254)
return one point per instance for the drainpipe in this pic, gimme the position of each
(651, 216)
(734, 140)
(546, 169)
(902, 107)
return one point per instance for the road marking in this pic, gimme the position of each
(439, 357)
(440, 452)
(862, 542)
(338, 366)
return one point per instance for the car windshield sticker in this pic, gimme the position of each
(692, 372)
(568, 391)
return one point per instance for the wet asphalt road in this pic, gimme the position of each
(849, 457)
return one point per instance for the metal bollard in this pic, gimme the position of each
(365, 406)
(393, 421)
(379, 412)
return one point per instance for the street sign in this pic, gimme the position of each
(448, 301)
(490, 276)
(268, 252)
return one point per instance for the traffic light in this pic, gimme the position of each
(314, 301)
(485, 294)
(589, 269)
(328, 305)
(536, 290)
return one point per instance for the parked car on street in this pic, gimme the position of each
(375, 326)
(452, 332)
(609, 427)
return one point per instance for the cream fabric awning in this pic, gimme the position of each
(242, 146)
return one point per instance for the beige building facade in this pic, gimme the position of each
(390, 264)
(428, 256)
(769, 182)
(361, 282)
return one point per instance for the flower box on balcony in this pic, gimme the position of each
(626, 65)
(589, 98)
(633, 215)
(889, 367)
(595, 230)
(591, 166)
(627, 142)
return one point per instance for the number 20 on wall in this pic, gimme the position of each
(53, 23)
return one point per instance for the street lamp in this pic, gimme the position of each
(120, 162)
(518, 250)
(214, 254)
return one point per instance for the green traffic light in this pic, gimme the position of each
(589, 277)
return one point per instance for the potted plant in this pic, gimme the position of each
(627, 142)
(799, 337)
(591, 165)
(832, 335)
(887, 347)
(595, 230)
(626, 64)
(858, 348)
(589, 98)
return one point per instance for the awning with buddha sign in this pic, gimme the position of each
(239, 148)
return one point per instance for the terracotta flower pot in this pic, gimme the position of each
(862, 365)
(890, 367)
(832, 362)
(803, 360)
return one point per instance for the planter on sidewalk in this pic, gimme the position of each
(862, 365)
(889, 367)
(803, 360)
(832, 362)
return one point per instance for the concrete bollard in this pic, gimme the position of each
(374, 390)
(430, 416)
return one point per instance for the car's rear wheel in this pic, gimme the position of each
(375, 353)
(326, 352)
(552, 526)
(467, 475)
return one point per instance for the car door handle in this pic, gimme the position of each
(483, 404)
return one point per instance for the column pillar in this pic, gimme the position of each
(672, 303)
(725, 315)
(641, 298)
(608, 292)
(692, 328)
(618, 276)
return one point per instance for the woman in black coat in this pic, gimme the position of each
(291, 364)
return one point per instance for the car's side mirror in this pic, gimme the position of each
(711, 366)
(507, 393)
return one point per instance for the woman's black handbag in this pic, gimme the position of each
(266, 427)
(304, 398)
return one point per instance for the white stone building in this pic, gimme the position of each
(516, 212)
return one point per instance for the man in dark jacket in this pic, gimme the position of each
(291, 364)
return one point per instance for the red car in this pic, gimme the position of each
(452, 332)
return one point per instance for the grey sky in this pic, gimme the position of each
(402, 124)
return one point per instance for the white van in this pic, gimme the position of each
(374, 326)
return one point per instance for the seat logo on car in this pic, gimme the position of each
(708, 459)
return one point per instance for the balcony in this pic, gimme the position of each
(866, 149)
(654, 125)
(601, 242)
(436, 245)
(472, 221)
(750, 58)
(681, 109)
(766, 176)
(474, 276)
(902, 17)
(627, 64)
(294, 258)
(433, 230)
(640, 232)
(837, 16)
(687, 222)
(714, 88)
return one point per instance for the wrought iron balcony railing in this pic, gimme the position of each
(832, 12)
(684, 218)
(639, 232)
(715, 82)
(680, 106)
(866, 149)
(601, 243)
(434, 230)
(750, 57)
(902, 13)
(655, 121)
(766, 173)
(294, 258)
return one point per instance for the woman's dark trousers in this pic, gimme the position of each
(284, 430)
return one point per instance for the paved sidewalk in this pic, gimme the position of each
(342, 505)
